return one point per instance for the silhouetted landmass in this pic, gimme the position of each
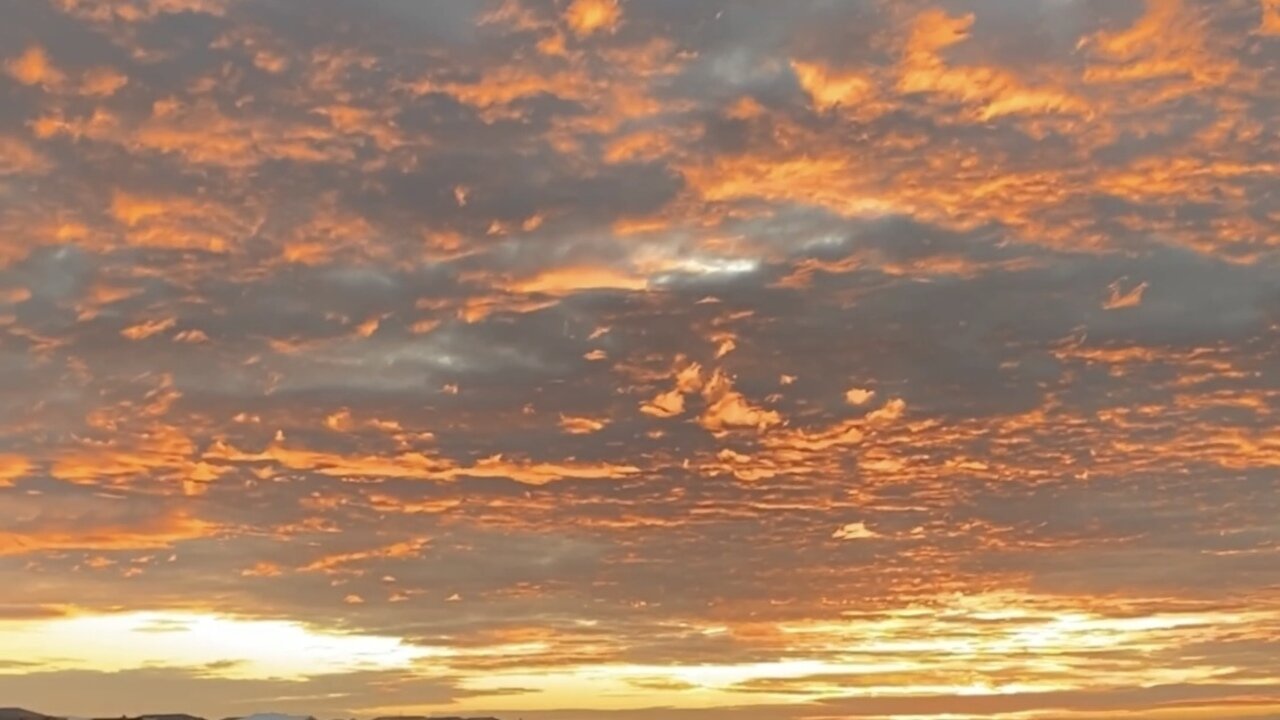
(21, 714)
(158, 716)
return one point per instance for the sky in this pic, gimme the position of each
(641, 359)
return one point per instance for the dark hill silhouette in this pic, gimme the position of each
(431, 717)
(13, 713)
(22, 714)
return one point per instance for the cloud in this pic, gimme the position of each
(728, 408)
(500, 329)
(854, 531)
(19, 157)
(103, 81)
(154, 533)
(664, 405)
(830, 89)
(569, 280)
(582, 425)
(34, 67)
(586, 17)
(1127, 299)
(858, 396)
(13, 467)
(1270, 18)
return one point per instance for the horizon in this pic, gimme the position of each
(14, 711)
(641, 359)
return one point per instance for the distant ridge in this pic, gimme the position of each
(13, 713)
(153, 716)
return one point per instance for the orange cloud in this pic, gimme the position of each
(137, 11)
(506, 84)
(1118, 299)
(403, 465)
(101, 295)
(542, 473)
(829, 89)
(12, 467)
(586, 17)
(34, 67)
(581, 425)
(996, 91)
(369, 327)
(199, 132)
(158, 531)
(13, 296)
(1270, 24)
(858, 396)
(416, 465)
(17, 156)
(826, 180)
(477, 308)
(569, 280)
(355, 121)
(180, 222)
(101, 124)
(262, 569)
(728, 408)
(640, 146)
(102, 82)
(333, 563)
(132, 210)
(854, 531)
(689, 378)
(159, 452)
(144, 330)
(1163, 56)
(664, 405)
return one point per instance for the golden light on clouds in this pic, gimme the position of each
(33, 67)
(567, 359)
(590, 16)
(221, 646)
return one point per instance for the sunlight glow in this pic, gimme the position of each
(218, 646)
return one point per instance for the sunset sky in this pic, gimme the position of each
(641, 359)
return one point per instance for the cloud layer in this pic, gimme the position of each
(747, 360)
